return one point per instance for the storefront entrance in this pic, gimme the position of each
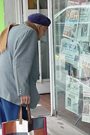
(34, 6)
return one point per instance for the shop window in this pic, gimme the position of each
(72, 64)
(32, 4)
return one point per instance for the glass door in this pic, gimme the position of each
(72, 62)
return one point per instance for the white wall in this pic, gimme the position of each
(9, 7)
(13, 11)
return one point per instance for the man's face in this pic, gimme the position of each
(42, 30)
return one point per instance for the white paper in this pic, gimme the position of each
(22, 127)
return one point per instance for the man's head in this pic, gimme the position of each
(41, 21)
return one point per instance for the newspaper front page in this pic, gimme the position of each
(72, 95)
(86, 104)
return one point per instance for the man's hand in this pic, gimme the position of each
(25, 99)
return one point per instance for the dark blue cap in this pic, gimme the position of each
(39, 19)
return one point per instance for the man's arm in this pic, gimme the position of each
(22, 63)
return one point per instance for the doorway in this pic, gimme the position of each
(40, 6)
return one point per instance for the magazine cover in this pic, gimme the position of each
(72, 94)
(86, 104)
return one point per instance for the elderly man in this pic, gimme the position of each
(19, 66)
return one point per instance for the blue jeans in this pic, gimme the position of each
(9, 111)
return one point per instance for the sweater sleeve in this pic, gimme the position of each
(24, 53)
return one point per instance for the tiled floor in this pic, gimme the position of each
(45, 101)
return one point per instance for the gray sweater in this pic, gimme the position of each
(19, 66)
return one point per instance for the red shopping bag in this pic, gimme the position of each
(37, 126)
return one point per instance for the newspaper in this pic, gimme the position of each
(71, 23)
(76, 2)
(86, 104)
(85, 47)
(77, 22)
(84, 25)
(84, 70)
(71, 50)
(72, 94)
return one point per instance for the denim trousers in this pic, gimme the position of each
(10, 111)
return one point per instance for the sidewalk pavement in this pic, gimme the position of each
(58, 126)
(55, 125)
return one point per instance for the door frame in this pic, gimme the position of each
(27, 11)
